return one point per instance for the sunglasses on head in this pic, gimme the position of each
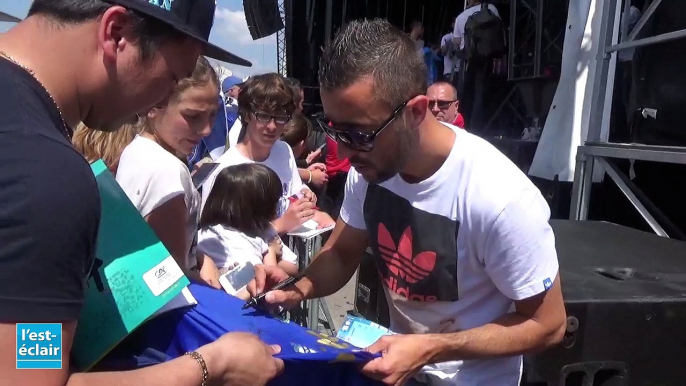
(356, 140)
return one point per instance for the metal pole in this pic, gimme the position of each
(328, 21)
(511, 43)
(577, 187)
(629, 194)
(539, 38)
(602, 69)
(643, 20)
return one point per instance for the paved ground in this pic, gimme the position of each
(342, 301)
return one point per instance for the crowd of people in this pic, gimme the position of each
(459, 234)
(467, 56)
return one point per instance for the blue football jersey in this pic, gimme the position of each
(310, 358)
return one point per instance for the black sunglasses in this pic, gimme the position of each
(358, 141)
(266, 118)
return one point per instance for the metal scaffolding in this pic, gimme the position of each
(595, 152)
(281, 58)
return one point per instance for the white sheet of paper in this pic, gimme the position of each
(309, 229)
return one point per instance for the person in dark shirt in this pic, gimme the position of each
(100, 62)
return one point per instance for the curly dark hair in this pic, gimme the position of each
(270, 93)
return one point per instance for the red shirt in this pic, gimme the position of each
(459, 121)
(333, 164)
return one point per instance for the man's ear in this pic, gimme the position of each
(112, 30)
(418, 106)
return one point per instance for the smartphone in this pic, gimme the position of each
(202, 173)
(238, 278)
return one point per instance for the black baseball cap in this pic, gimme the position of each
(193, 18)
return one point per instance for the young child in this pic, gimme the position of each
(235, 224)
(295, 134)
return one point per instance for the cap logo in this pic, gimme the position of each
(166, 4)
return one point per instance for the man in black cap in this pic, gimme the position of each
(100, 62)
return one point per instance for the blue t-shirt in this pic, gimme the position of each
(217, 138)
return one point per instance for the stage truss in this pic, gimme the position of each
(595, 152)
(281, 58)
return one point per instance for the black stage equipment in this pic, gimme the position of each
(370, 301)
(625, 295)
(263, 17)
(659, 82)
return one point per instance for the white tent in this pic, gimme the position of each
(567, 123)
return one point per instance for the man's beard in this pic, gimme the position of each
(397, 159)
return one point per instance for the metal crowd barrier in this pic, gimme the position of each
(314, 313)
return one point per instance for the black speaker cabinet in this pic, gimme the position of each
(263, 17)
(625, 295)
(370, 301)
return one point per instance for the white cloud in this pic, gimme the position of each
(231, 32)
(233, 26)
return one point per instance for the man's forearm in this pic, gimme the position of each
(184, 371)
(513, 334)
(328, 273)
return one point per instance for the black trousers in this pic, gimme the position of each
(474, 87)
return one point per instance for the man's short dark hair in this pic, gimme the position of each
(447, 84)
(151, 33)
(244, 197)
(297, 88)
(375, 49)
(269, 93)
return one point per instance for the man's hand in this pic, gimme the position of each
(402, 357)
(240, 359)
(267, 277)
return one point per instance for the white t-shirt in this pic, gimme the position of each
(449, 61)
(456, 249)
(461, 20)
(226, 246)
(151, 176)
(280, 160)
(235, 132)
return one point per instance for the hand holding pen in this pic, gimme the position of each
(273, 287)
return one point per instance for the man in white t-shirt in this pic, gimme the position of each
(265, 105)
(461, 21)
(459, 234)
(475, 79)
(451, 63)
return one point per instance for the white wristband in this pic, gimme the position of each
(309, 179)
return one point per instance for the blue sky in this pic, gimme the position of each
(230, 32)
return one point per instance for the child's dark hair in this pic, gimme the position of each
(296, 130)
(244, 197)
